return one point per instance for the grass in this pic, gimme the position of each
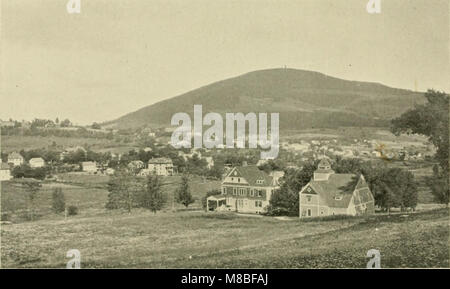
(87, 192)
(225, 240)
(17, 142)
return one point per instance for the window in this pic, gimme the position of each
(259, 193)
(260, 181)
(239, 180)
(234, 191)
(308, 198)
(309, 212)
(338, 198)
(224, 191)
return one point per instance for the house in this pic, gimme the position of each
(329, 193)
(246, 189)
(89, 167)
(160, 166)
(5, 172)
(36, 162)
(15, 159)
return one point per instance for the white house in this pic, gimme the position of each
(15, 159)
(329, 193)
(36, 162)
(160, 166)
(89, 167)
(5, 172)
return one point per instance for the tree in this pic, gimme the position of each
(285, 201)
(96, 126)
(431, 119)
(58, 201)
(439, 185)
(392, 187)
(124, 190)
(183, 194)
(152, 197)
(65, 123)
(32, 188)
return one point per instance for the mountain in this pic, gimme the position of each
(304, 99)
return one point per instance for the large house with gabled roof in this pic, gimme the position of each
(245, 189)
(329, 193)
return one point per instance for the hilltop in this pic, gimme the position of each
(304, 99)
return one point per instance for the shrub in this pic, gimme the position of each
(72, 210)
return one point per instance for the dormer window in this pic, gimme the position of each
(338, 198)
(260, 182)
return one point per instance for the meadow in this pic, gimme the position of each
(180, 238)
(87, 192)
(193, 239)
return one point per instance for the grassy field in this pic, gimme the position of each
(226, 240)
(87, 192)
(17, 143)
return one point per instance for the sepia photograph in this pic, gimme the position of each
(224, 134)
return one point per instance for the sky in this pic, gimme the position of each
(117, 56)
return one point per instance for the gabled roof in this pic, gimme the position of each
(332, 188)
(15, 155)
(36, 160)
(252, 174)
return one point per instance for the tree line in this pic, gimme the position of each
(127, 191)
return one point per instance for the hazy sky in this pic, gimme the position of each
(120, 55)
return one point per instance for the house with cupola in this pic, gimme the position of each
(245, 189)
(329, 193)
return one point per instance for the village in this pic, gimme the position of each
(245, 182)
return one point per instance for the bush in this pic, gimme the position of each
(72, 210)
